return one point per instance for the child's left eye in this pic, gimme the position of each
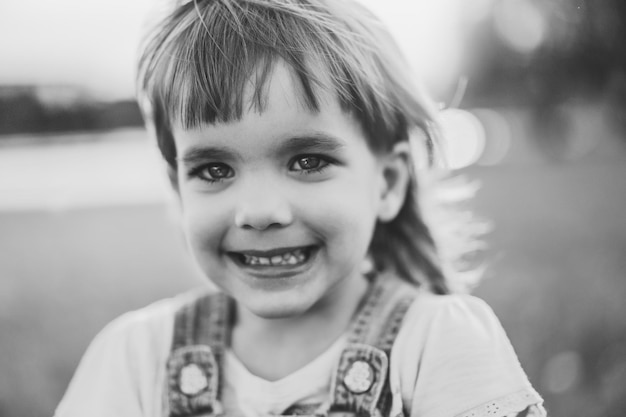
(309, 163)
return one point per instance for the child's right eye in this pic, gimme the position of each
(213, 172)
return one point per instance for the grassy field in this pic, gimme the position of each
(556, 280)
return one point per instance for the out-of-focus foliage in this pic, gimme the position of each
(580, 54)
(33, 109)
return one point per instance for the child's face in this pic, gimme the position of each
(279, 208)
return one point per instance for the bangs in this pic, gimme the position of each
(210, 61)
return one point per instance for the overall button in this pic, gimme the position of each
(360, 377)
(192, 380)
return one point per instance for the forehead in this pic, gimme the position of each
(278, 81)
(279, 87)
(268, 84)
(284, 115)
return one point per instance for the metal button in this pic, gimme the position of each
(360, 377)
(192, 379)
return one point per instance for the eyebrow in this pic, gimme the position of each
(197, 154)
(310, 142)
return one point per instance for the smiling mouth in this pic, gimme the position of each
(281, 257)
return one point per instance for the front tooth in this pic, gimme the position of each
(292, 260)
(264, 261)
(277, 259)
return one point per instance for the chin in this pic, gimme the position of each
(283, 308)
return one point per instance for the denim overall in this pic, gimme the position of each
(360, 383)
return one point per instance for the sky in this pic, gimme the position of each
(93, 43)
(86, 42)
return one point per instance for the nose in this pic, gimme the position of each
(262, 206)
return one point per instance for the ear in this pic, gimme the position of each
(395, 181)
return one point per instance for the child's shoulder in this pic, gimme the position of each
(452, 319)
(453, 355)
(124, 360)
(154, 321)
(459, 309)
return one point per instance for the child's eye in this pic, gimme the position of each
(309, 163)
(213, 172)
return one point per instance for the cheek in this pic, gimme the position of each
(203, 224)
(345, 214)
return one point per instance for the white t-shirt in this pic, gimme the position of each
(451, 358)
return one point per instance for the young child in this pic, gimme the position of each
(286, 127)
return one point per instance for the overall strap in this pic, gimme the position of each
(360, 385)
(201, 333)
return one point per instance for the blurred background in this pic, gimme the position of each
(535, 92)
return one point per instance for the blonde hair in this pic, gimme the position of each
(200, 59)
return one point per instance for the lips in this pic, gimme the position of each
(283, 257)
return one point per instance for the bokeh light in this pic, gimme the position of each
(463, 138)
(498, 136)
(562, 372)
(520, 23)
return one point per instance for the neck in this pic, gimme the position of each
(274, 348)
